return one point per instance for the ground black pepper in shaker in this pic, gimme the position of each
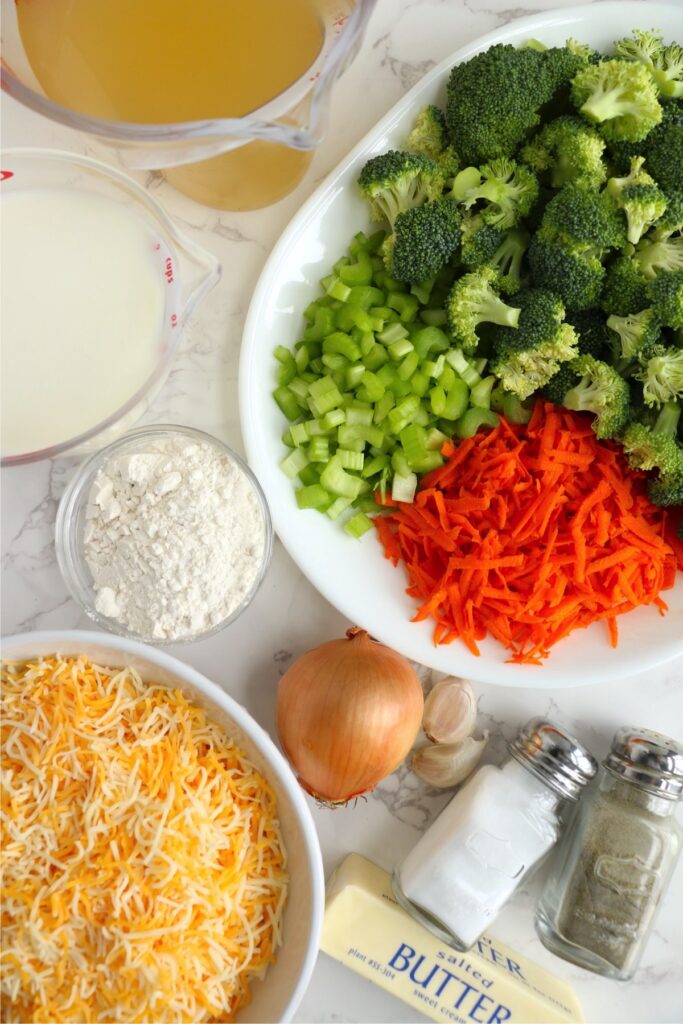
(616, 861)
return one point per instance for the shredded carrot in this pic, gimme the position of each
(529, 532)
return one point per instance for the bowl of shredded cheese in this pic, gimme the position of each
(159, 859)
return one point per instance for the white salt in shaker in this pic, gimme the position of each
(494, 830)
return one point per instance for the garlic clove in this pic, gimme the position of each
(450, 712)
(447, 764)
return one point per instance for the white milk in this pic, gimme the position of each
(82, 313)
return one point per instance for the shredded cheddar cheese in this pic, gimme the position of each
(144, 874)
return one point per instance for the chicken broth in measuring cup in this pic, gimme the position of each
(169, 61)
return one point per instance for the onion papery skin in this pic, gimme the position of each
(348, 713)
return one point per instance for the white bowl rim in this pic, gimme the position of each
(251, 727)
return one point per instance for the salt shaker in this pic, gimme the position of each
(613, 868)
(495, 829)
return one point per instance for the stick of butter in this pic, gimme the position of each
(368, 931)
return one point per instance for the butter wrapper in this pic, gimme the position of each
(368, 931)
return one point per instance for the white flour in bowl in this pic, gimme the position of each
(175, 538)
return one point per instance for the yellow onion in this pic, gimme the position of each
(348, 712)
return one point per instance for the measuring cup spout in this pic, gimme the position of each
(200, 272)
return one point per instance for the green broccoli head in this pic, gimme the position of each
(636, 332)
(503, 191)
(591, 330)
(666, 491)
(661, 374)
(508, 257)
(641, 199)
(586, 217)
(665, 63)
(663, 148)
(587, 54)
(479, 240)
(671, 221)
(429, 135)
(625, 288)
(619, 96)
(569, 151)
(575, 273)
(394, 182)
(666, 293)
(560, 383)
(527, 358)
(601, 391)
(423, 241)
(495, 98)
(474, 300)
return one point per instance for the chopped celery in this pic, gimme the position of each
(358, 525)
(287, 402)
(350, 433)
(393, 333)
(376, 357)
(309, 475)
(335, 288)
(429, 341)
(399, 349)
(338, 506)
(434, 439)
(343, 344)
(299, 434)
(354, 375)
(375, 465)
(293, 463)
(365, 296)
(374, 389)
(437, 400)
(413, 442)
(384, 405)
(434, 317)
(332, 419)
(419, 383)
(403, 414)
(462, 367)
(349, 459)
(473, 419)
(358, 412)
(358, 273)
(407, 366)
(456, 400)
(480, 396)
(337, 481)
(319, 449)
(403, 487)
(313, 496)
(405, 305)
(428, 462)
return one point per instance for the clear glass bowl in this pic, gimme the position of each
(71, 519)
(188, 270)
(225, 162)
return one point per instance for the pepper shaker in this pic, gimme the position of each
(493, 832)
(612, 870)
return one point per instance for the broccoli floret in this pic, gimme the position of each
(619, 96)
(395, 182)
(601, 391)
(576, 274)
(586, 217)
(474, 300)
(570, 151)
(671, 221)
(665, 63)
(625, 289)
(636, 332)
(479, 241)
(640, 197)
(663, 148)
(494, 99)
(583, 50)
(429, 135)
(507, 259)
(527, 358)
(448, 163)
(654, 256)
(506, 191)
(642, 46)
(654, 447)
(423, 241)
(666, 292)
(661, 373)
(560, 383)
(591, 329)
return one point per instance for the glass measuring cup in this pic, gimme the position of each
(236, 163)
(188, 272)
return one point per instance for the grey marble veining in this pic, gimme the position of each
(405, 39)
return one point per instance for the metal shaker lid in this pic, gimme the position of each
(649, 760)
(559, 760)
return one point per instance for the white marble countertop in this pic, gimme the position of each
(405, 38)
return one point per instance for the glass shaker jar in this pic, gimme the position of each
(613, 868)
(495, 829)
